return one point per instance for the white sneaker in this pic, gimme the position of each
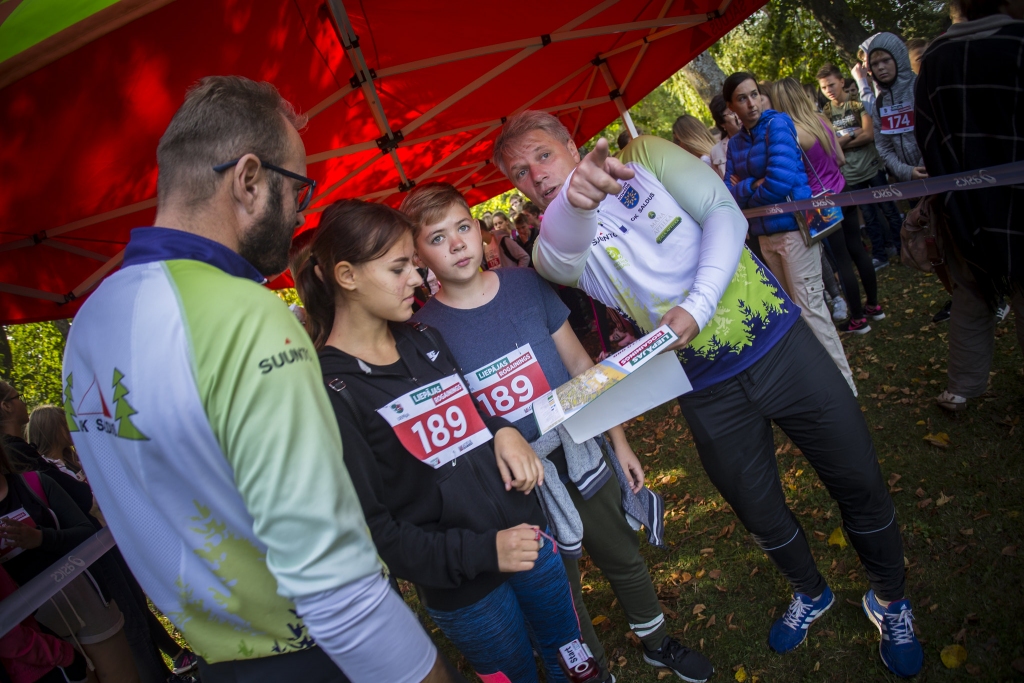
(839, 310)
(951, 402)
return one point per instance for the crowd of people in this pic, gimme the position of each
(384, 429)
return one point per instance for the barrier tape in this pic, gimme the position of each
(997, 176)
(30, 597)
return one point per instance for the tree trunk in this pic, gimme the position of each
(840, 24)
(6, 361)
(704, 74)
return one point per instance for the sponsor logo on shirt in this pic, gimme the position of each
(284, 358)
(629, 197)
(432, 355)
(620, 261)
(93, 410)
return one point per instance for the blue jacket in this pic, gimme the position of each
(770, 151)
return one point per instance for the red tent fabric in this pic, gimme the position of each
(398, 92)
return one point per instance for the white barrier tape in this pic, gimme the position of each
(30, 597)
(997, 176)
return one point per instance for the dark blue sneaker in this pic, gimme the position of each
(900, 650)
(791, 630)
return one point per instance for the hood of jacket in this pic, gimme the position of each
(899, 151)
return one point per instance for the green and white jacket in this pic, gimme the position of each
(196, 404)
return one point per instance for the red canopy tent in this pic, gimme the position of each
(398, 92)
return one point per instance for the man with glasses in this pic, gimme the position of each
(196, 404)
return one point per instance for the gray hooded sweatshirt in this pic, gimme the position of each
(893, 113)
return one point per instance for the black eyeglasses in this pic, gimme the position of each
(305, 194)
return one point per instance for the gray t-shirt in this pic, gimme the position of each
(524, 311)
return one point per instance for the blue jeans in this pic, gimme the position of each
(498, 633)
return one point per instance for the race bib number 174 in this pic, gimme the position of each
(899, 118)
(437, 422)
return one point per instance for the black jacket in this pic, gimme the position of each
(435, 528)
(26, 458)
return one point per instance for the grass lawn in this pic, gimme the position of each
(958, 497)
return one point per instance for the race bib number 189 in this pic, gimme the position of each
(507, 387)
(899, 118)
(437, 422)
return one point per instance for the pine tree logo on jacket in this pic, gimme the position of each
(94, 411)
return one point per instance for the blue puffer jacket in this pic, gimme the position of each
(769, 151)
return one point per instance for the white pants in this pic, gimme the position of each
(798, 269)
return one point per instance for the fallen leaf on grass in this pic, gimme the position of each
(972, 669)
(698, 608)
(924, 503)
(941, 439)
(700, 572)
(1018, 664)
(837, 538)
(943, 499)
(715, 573)
(920, 493)
(664, 673)
(685, 577)
(893, 478)
(669, 479)
(740, 675)
(598, 620)
(820, 535)
(710, 622)
(967, 532)
(633, 639)
(863, 375)
(1010, 551)
(954, 656)
(756, 570)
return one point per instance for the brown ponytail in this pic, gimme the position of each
(350, 230)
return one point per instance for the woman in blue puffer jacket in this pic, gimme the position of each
(764, 165)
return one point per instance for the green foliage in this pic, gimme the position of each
(37, 350)
(289, 296)
(502, 202)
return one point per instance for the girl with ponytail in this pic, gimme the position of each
(445, 488)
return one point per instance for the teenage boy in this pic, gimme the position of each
(763, 166)
(485, 316)
(679, 261)
(893, 116)
(855, 132)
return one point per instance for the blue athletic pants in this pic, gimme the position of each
(531, 610)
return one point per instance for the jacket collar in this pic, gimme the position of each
(147, 245)
(335, 360)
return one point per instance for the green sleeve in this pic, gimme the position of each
(260, 384)
(693, 184)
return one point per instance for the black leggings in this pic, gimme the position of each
(798, 386)
(846, 245)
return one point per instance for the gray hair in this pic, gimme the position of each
(222, 118)
(521, 124)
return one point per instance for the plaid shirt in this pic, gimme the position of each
(970, 115)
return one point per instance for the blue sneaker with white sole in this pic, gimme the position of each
(899, 648)
(791, 629)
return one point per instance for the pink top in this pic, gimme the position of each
(826, 168)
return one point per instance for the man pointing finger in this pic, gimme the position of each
(657, 235)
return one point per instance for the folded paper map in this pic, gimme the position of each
(563, 403)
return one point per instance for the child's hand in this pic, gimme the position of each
(631, 467)
(519, 466)
(20, 534)
(518, 548)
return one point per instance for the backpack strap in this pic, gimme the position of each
(338, 386)
(439, 346)
(504, 248)
(34, 483)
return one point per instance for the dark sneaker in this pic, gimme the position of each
(874, 312)
(791, 629)
(899, 648)
(682, 661)
(943, 315)
(879, 264)
(184, 662)
(855, 326)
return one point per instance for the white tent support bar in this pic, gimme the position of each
(482, 183)
(649, 39)
(724, 6)
(64, 246)
(77, 225)
(98, 275)
(30, 293)
(469, 175)
(473, 168)
(619, 104)
(329, 100)
(643, 48)
(349, 176)
(515, 59)
(433, 170)
(363, 73)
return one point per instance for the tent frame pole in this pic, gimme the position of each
(616, 97)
